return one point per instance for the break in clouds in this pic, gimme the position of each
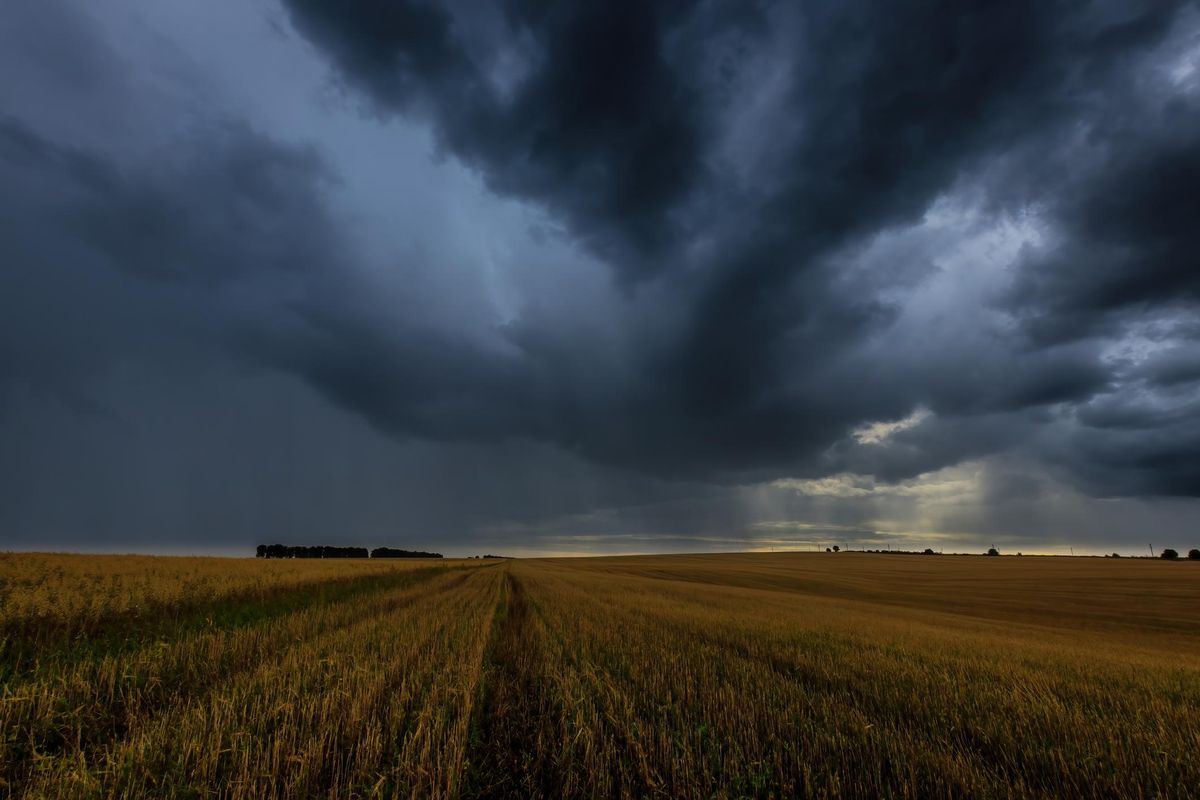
(599, 276)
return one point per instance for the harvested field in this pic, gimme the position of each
(748, 675)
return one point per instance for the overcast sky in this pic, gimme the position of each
(531, 277)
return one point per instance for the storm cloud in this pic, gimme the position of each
(637, 273)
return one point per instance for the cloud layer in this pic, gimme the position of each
(1075, 122)
(621, 267)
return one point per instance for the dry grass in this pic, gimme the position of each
(676, 676)
(56, 593)
(859, 675)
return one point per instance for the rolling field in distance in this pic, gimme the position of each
(745, 675)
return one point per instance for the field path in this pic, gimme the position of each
(508, 755)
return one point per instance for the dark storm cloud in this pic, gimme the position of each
(773, 242)
(238, 223)
(112, 263)
(600, 125)
(232, 202)
(612, 122)
(1125, 257)
(1127, 238)
(1175, 367)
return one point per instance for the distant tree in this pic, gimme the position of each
(1116, 555)
(836, 548)
(827, 550)
(1193, 554)
(315, 551)
(929, 551)
(391, 552)
(1169, 554)
(993, 551)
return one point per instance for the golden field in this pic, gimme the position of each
(53, 591)
(748, 675)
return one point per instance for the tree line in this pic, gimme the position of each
(1172, 555)
(326, 551)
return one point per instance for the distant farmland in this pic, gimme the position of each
(755, 675)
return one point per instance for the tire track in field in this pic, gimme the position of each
(508, 754)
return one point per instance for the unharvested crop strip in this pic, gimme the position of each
(48, 735)
(438, 607)
(26, 649)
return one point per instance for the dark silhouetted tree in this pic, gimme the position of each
(836, 548)
(391, 552)
(1193, 554)
(993, 551)
(316, 551)
(1169, 554)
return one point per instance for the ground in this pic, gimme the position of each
(730, 675)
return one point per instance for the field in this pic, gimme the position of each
(840, 675)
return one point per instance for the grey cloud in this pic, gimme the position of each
(1126, 238)
(612, 144)
(762, 371)
(1174, 367)
(764, 192)
(234, 202)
